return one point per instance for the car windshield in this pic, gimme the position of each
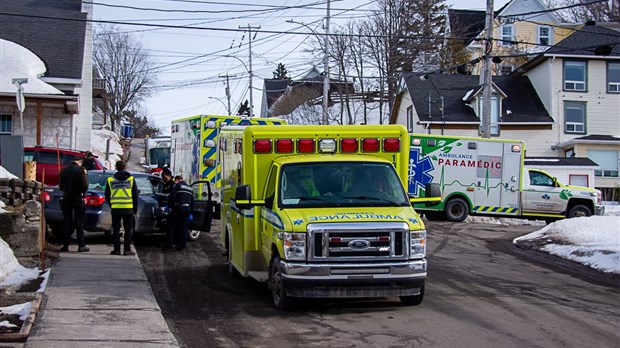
(159, 156)
(342, 184)
(97, 182)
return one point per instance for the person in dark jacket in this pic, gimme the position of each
(181, 200)
(73, 182)
(89, 161)
(121, 192)
(167, 183)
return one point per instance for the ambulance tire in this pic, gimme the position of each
(413, 300)
(456, 210)
(579, 210)
(435, 216)
(280, 299)
(232, 271)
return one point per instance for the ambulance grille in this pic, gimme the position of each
(360, 242)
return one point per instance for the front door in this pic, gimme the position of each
(543, 194)
(202, 212)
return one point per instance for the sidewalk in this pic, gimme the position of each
(96, 299)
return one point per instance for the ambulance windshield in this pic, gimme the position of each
(342, 184)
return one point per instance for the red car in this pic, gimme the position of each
(53, 160)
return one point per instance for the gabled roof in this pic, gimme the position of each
(274, 89)
(591, 139)
(560, 161)
(466, 24)
(521, 105)
(59, 43)
(591, 40)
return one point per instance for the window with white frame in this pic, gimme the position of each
(574, 75)
(6, 124)
(574, 117)
(507, 32)
(613, 77)
(607, 161)
(544, 35)
(410, 119)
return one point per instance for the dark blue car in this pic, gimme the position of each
(149, 219)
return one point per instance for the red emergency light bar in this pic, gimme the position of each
(262, 146)
(348, 145)
(284, 145)
(370, 145)
(306, 145)
(391, 144)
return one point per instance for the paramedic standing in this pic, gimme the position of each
(121, 193)
(181, 200)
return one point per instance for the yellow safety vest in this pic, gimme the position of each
(120, 193)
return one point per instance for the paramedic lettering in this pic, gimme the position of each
(469, 163)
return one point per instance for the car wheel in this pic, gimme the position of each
(456, 210)
(278, 292)
(579, 211)
(193, 235)
(413, 300)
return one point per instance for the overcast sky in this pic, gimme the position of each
(192, 62)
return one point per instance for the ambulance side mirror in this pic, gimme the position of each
(243, 195)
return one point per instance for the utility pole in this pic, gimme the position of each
(249, 27)
(326, 81)
(487, 76)
(228, 91)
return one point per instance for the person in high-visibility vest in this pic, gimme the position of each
(121, 193)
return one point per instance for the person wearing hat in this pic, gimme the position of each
(89, 161)
(73, 182)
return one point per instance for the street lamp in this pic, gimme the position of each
(250, 73)
(326, 82)
(220, 100)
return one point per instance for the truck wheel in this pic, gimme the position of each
(435, 216)
(278, 292)
(193, 235)
(579, 210)
(232, 271)
(456, 210)
(413, 300)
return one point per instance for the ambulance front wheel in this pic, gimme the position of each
(276, 285)
(456, 210)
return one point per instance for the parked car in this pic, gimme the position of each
(151, 216)
(52, 160)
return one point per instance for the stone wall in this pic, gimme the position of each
(20, 227)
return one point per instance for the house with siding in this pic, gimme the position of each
(563, 103)
(60, 37)
(525, 26)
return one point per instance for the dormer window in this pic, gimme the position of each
(508, 35)
(495, 113)
(544, 35)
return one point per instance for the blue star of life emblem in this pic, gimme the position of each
(546, 196)
(419, 169)
(298, 222)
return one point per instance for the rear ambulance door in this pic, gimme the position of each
(511, 177)
(203, 206)
(488, 176)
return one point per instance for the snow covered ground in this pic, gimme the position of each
(98, 142)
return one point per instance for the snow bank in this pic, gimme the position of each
(98, 143)
(11, 272)
(21, 309)
(6, 174)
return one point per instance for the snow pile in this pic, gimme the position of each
(11, 272)
(21, 309)
(19, 62)
(593, 241)
(98, 142)
(6, 174)
(612, 209)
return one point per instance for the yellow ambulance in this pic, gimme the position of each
(321, 211)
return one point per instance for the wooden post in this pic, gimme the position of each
(42, 220)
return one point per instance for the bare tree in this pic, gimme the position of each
(606, 11)
(126, 68)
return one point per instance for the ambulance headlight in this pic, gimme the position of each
(294, 245)
(418, 244)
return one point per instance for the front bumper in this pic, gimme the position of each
(599, 210)
(353, 280)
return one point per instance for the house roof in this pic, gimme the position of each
(61, 49)
(590, 40)
(274, 89)
(591, 139)
(466, 24)
(522, 103)
(560, 161)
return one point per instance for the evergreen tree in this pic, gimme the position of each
(244, 109)
(281, 73)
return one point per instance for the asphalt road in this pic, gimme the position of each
(481, 292)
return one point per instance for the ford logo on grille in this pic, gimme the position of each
(359, 244)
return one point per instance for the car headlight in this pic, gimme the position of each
(418, 244)
(294, 245)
